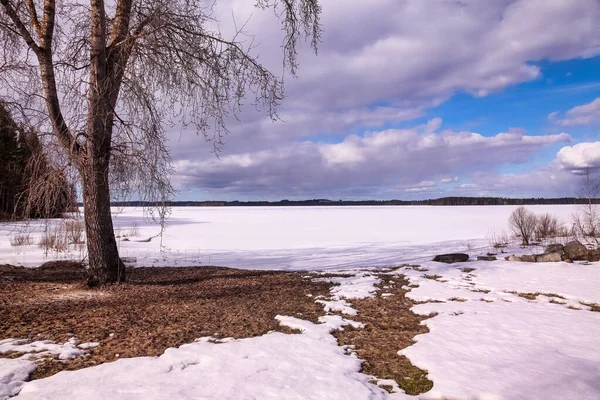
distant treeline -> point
(444, 201)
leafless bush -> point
(74, 231)
(586, 221)
(54, 240)
(547, 227)
(132, 230)
(20, 239)
(498, 240)
(523, 224)
(47, 241)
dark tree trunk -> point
(105, 264)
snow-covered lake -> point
(293, 237)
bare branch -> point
(20, 26)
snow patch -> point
(274, 366)
(42, 348)
(13, 374)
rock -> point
(486, 258)
(568, 260)
(451, 258)
(513, 258)
(528, 258)
(129, 261)
(575, 251)
(554, 248)
(548, 257)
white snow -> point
(43, 348)
(289, 237)
(358, 286)
(275, 366)
(498, 345)
(13, 375)
(14, 372)
(485, 343)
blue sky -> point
(416, 99)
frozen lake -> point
(294, 237)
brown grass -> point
(533, 296)
(157, 308)
(20, 239)
(389, 327)
(593, 306)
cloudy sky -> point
(411, 99)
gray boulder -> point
(554, 248)
(486, 258)
(548, 257)
(451, 258)
(575, 251)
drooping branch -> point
(44, 54)
(20, 26)
(107, 80)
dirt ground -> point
(389, 327)
(157, 308)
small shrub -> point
(20, 239)
(498, 240)
(74, 231)
(47, 241)
(523, 223)
(132, 230)
(55, 240)
(547, 227)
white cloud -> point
(381, 63)
(449, 180)
(586, 114)
(580, 156)
(410, 160)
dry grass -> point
(156, 309)
(74, 231)
(467, 270)
(533, 296)
(20, 239)
(593, 306)
(389, 327)
(55, 240)
(132, 230)
(557, 302)
(330, 275)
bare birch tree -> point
(101, 80)
(586, 221)
(523, 224)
